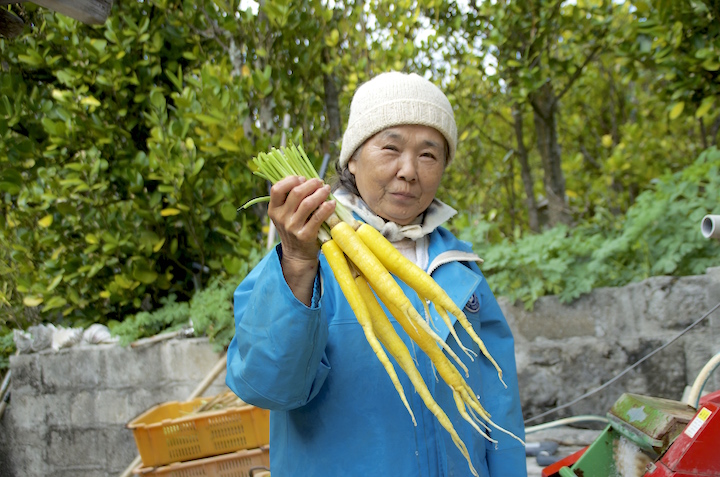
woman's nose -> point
(407, 167)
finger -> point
(307, 195)
(310, 229)
(280, 190)
(311, 202)
(317, 218)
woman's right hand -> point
(298, 207)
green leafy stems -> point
(292, 161)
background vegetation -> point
(587, 157)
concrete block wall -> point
(69, 409)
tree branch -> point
(494, 141)
(577, 74)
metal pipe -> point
(324, 165)
(710, 226)
(5, 384)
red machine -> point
(696, 451)
(666, 438)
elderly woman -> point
(298, 349)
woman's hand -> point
(298, 208)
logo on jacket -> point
(473, 304)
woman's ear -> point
(352, 165)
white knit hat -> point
(395, 99)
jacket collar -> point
(434, 216)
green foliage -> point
(170, 317)
(209, 312)
(124, 147)
(211, 309)
(659, 236)
(121, 166)
(7, 348)
(680, 39)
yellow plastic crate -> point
(245, 463)
(170, 432)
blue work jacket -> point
(335, 411)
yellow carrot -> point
(339, 265)
(447, 371)
(395, 346)
(422, 283)
(462, 392)
(371, 267)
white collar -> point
(435, 215)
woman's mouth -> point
(402, 195)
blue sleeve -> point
(276, 359)
(507, 457)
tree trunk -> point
(10, 24)
(545, 118)
(714, 129)
(91, 12)
(332, 108)
(525, 171)
(266, 109)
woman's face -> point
(398, 171)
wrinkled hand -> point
(298, 208)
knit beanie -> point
(395, 99)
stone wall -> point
(68, 410)
(566, 351)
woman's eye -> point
(390, 147)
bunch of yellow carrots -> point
(362, 260)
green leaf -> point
(228, 211)
(170, 211)
(176, 80)
(53, 303)
(32, 301)
(90, 101)
(11, 181)
(95, 268)
(209, 120)
(32, 58)
(228, 233)
(54, 283)
(228, 145)
(123, 281)
(98, 45)
(46, 221)
(711, 64)
(157, 98)
(158, 245)
(197, 167)
(677, 109)
(333, 38)
(705, 106)
(232, 265)
(145, 276)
